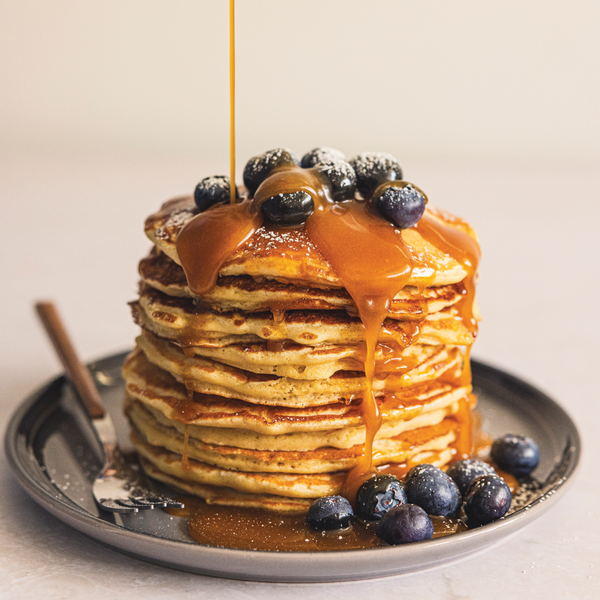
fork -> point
(118, 487)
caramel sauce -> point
(463, 445)
(398, 470)
(407, 331)
(464, 250)
(511, 480)
(278, 313)
(211, 237)
(443, 526)
(482, 441)
(255, 529)
(389, 359)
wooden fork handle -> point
(76, 370)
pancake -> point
(211, 377)
(250, 294)
(181, 320)
(224, 496)
(289, 255)
(159, 431)
(294, 485)
(233, 422)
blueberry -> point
(322, 154)
(288, 209)
(517, 454)
(402, 204)
(463, 472)
(487, 499)
(212, 190)
(432, 490)
(257, 169)
(374, 168)
(405, 524)
(341, 178)
(331, 512)
(377, 496)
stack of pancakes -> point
(251, 395)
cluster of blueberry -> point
(402, 509)
(375, 175)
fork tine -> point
(132, 504)
(158, 500)
(147, 503)
(112, 506)
(170, 503)
(151, 499)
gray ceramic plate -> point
(54, 455)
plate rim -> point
(268, 566)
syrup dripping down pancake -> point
(181, 320)
(289, 255)
(211, 377)
(158, 431)
(250, 294)
(433, 440)
(229, 421)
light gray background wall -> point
(465, 79)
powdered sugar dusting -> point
(337, 169)
(175, 222)
(322, 154)
(257, 164)
(215, 182)
(277, 242)
(373, 162)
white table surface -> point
(72, 231)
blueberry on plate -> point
(212, 190)
(374, 168)
(405, 524)
(402, 203)
(487, 499)
(377, 496)
(257, 169)
(322, 154)
(432, 490)
(331, 512)
(463, 472)
(341, 178)
(516, 454)
(288, 209)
